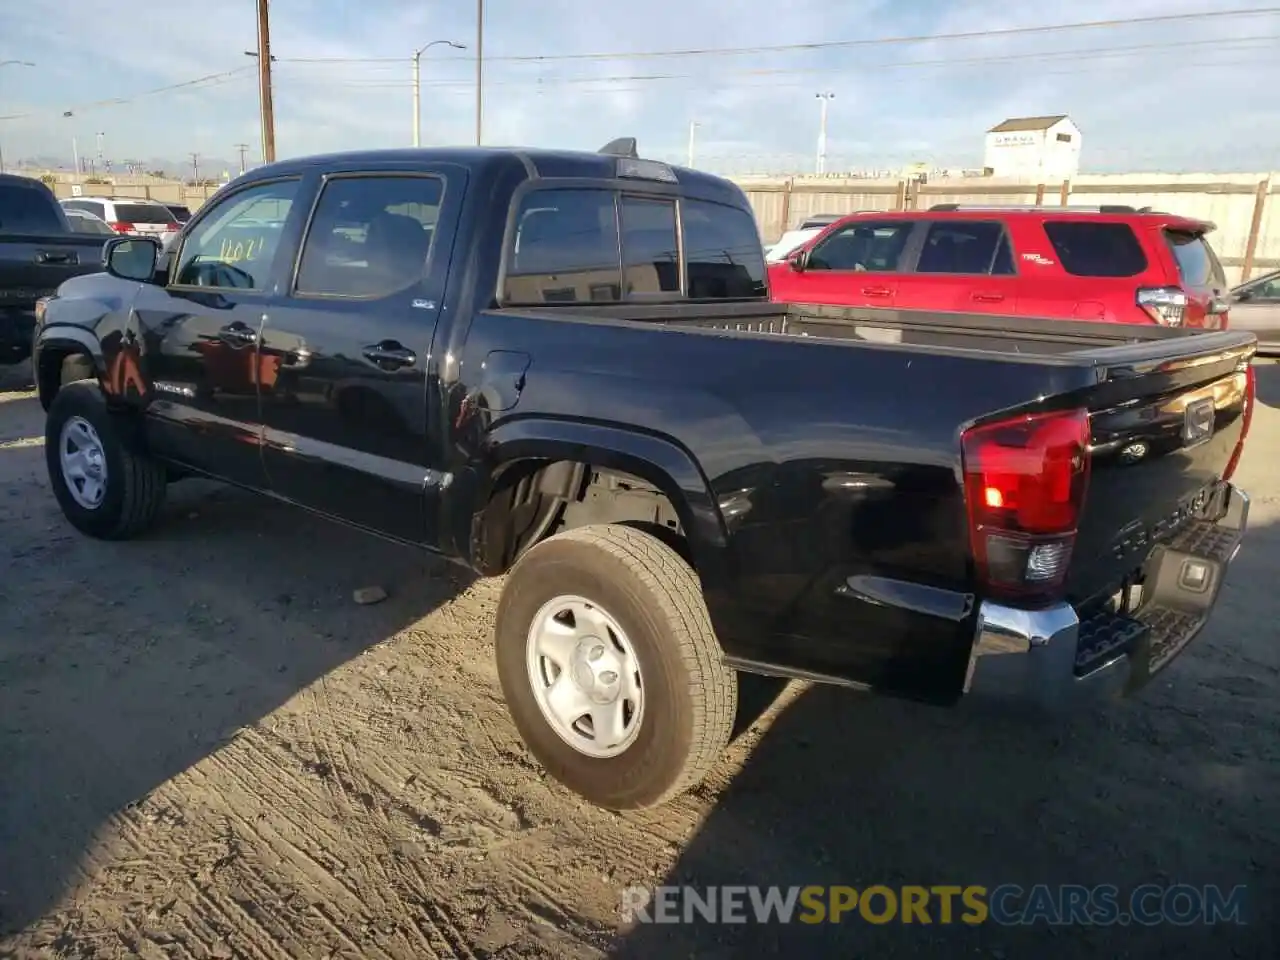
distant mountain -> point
(210, 167)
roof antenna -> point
(622, 147)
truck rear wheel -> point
(610, 667)
(105, 489)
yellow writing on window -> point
(234, 252)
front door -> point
(350, 429)
(854, 265)
(199, 334)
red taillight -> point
(119, 226)
(1164, 305)
(1025, 480)
(1250, 393)
(170, 228)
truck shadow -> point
(1268, 383)
(123, 664)
(1178, 785)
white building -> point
(1033, 149)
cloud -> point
(1169, 96)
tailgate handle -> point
(56, 256)
(988, 297)
(876, 291)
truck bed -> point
(784, 403)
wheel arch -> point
(54, 345)
(518, 449)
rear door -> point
(1201, 275)
(962, 266)
(856, 264)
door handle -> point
(389, 355)
(238, 334)
(988, 297)
(876, 291)
(50, 256)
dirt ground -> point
(207, 749)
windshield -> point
(790, 241)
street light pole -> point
(821, 165)
(417, 85)
(693, 127)
(479, 71)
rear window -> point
(1197, 265)
(1092, 249)
(965, 247)
(27, 210)
(596, 245)
(143, 213)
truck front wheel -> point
(610, 667)
(105, 489)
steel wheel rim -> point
(585, 676)
(84, 462)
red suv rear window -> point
(1196, 262)
(1096, 249)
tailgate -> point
(1165, 433)
(33, 267)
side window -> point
(650, 248)
(1088, 248)
(369, 236)
(565, 248)
(863, 246)
(233, 246)
(962, 247)
(725, 259)
(1267, 291)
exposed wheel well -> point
(534, 499)
(59, 367)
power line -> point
(837, 44)
(1242, 45)
(212, 79)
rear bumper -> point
(1051, 658)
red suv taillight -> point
(1164, 305)
(1025, 480)
(1250, 393)
(120, 226)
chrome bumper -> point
(1050, 658)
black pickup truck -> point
(38, 250)
(564, 367)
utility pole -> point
(264, 84)
(821, 166)
(479, 71)
(195, 168)
(693, 128)
(417, 84)
(242, 147)
(99, 135)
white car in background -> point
(795, 239)
(128, 215)
(82, 221)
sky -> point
(1189, 96)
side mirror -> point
(131, 258)
(1218, 306)
(799, 261)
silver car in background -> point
(1255, 306)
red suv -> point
(1111, 263)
